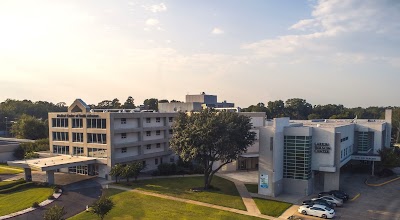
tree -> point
(163, 101)
(55, 213)
(115, 103)
(29, 127)
(117, 171)
(276, 108)
(208, 137)
(102, 206)
(129, 103)
(151, 103)
(132, 170)
(298, 109)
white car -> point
(332, 199)
(317, 210)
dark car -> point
(319, 202)
(336, 193)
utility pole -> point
(6, 127)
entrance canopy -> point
(53, 163)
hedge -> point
(11, 184)
(17, 187)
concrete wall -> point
(179, 106)
(323, 161)
(202, 98)
(295, 186)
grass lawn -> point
(253, 188)
(19, 200)
(131, 205)
(271, 207)
(5, 169)
(227, 196)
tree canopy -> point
(28, 127)
(102, 206)
(208, 137)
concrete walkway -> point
(194, 202)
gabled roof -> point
(79, 106)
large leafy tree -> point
(151, 103)
(116, 171)
(209, 137)
(102, 206)
(298, 109)
(129, 103)
(29, 127)
(132, 170)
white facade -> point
(296, 155)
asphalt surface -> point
(76, 196)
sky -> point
(325, 51)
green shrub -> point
(35, 205)
(11, 184)
(51, 197)
(17, 187)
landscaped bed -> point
(224, 194)
(22, 197)
(271, 207)
(253, 188)
(131, 205)
(5, 169)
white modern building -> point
(295, 155)
(91, 141)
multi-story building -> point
(90, 141)
(299, 156)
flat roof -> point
(53, 163)
(336, 122)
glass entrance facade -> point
(297, 157)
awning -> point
(53, 163)
(249, 155)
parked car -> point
(317, 210)
(319, 202)
(332, 199)
(337, 193)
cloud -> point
(217, 31)
(156, 8)
(152, 22)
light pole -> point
(6, 127)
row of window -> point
(78, 137)
(79, 151)
(344, 153)
(148, 120)
(78, 123)
(148, 147)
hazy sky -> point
(328, 51)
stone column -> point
(50, 177)
(28, 174)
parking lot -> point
(373, 203)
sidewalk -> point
(194, 202)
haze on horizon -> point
(327, 52)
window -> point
(297, 157)
(77, 123)
(123, 135)
(171, 159)
(124, 150)
(60, 136)
(144, 163)
(170, 131)
(123, 120)
(59, 122)
(77, 137)
(170, 119)
(148, 120)
(148, 133)
(57, 149)
(78, 151)
(158, 120)
(96, 138)
(158, 132)
(97, 152)
(158, 145)
(96, 123)
(156, 161)
(148, 147)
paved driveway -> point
(74, 199)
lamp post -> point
(6, 127)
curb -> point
(42, 204)
(381, 184)
(355, 197)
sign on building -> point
(264, 181)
